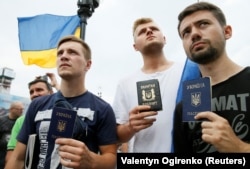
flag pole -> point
(86, 8)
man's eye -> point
(59, 53)
(185, 33)
(141, 32)
(72, 52)
(154, 29)
(203, 24)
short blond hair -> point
(141, 21)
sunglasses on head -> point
(45, 78)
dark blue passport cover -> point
(62, 123)
(196, 97)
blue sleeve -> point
(107, 127)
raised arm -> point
(53, 80)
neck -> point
(154, 64)
(221, 70)
(12, 117)
(72, 89)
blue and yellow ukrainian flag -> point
(190, 71)
(39, 35)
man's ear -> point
(135, 47)
(227, 32)
(165, 39)
(89, 63)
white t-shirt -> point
(158, 137)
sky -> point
(109, 34)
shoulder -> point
(245, 72)
(4, 118)
(96, 99)
(97, 103)
(247, 69)
(42, 103)
(178, 65)
(42, 99)
(130, 78)
(20, 119)
(176, 69)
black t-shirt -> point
(231, 100)
(6, 125)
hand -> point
(218, 132)
(139, 120)
(53, 80)
(73, 153)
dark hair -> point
(86, 48)
(199, 6)
(43, 79)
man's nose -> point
(64, 56)
(195, 34)
(149, 31)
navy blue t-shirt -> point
(96, 115)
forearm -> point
(125, 132)
(104, 161)
(244, 148)
(8, 155)
(16, 164)
(16, 160)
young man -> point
(204, 31)
(6, 124)
(143, 129)
(96, 146)
(38, 87)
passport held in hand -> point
(149, 94)
(62, 124)
(196, 98)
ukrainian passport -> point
(196, 97)
(149, 94)
(62, 124)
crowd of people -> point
(101, 130)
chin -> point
(64, 73)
